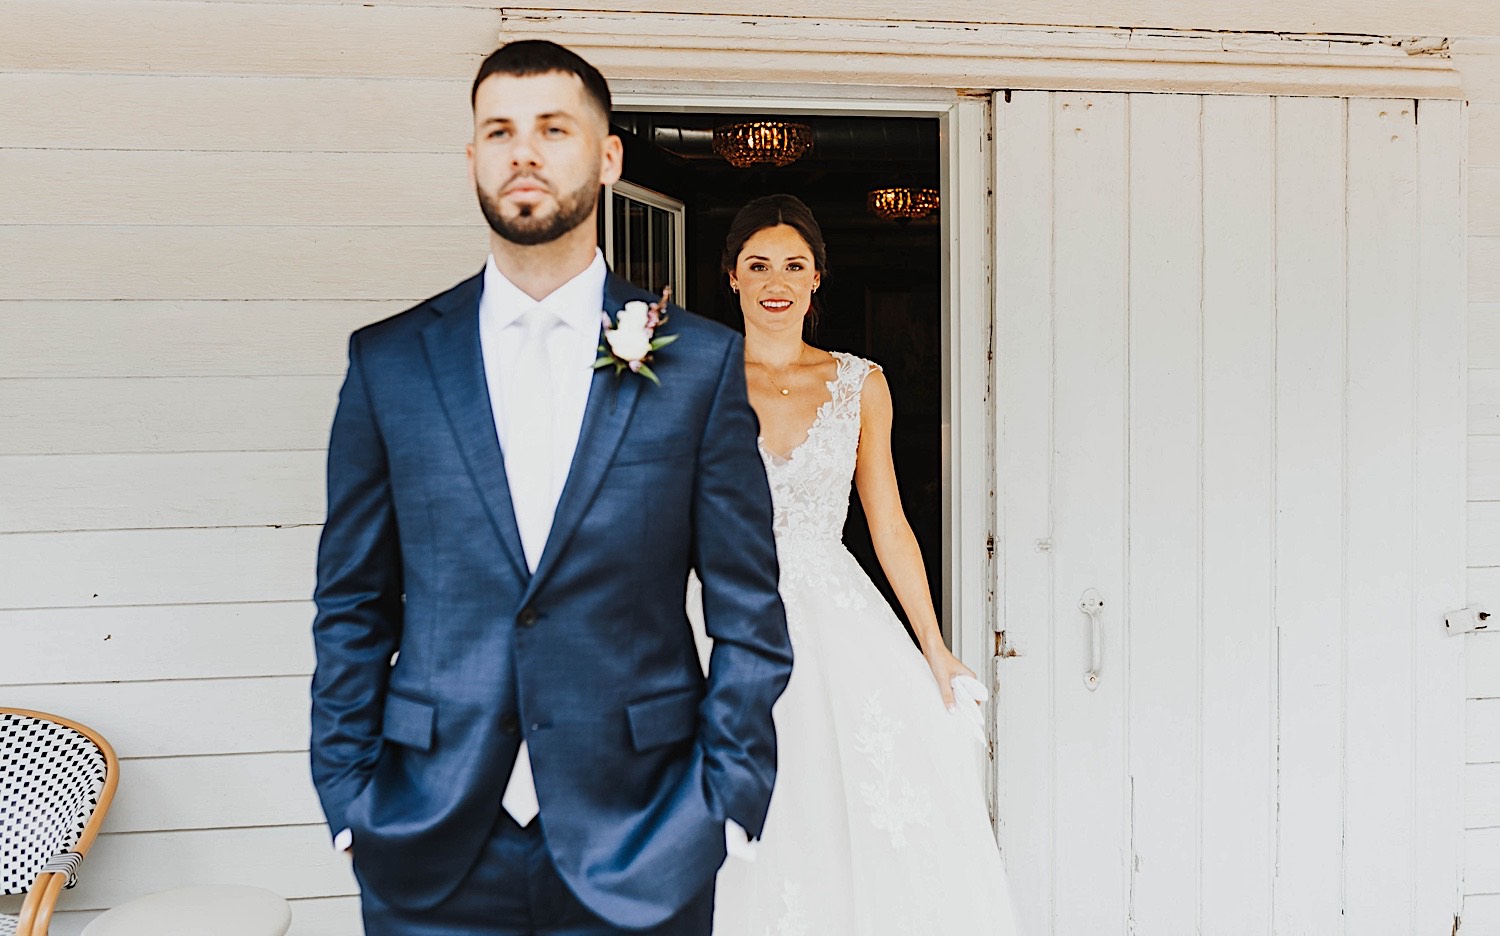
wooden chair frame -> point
(36, 911)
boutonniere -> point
(629, 340)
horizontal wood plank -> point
(1440, 17)
(293, 861)
(1484, 589)
(224, 792)
(169, 112)
(1484, 269)
(1482, 861)
(1481, 916)
(1478, 61)
(1482, 796)
(1482, 661)
(1483, 716)
(128, 187)
(188, 339)
(135, 36)
(144, 567)
(1484, 334)
(1484, 402)
(108, 415)
(1484, 533)
(181, 718)
(212, 641)
(195, 489)
(1484, 201)
(1484, 468)
(1484, 134)
(252, 262)
(326, 916)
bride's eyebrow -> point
(768, 259)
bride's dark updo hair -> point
(770, 211)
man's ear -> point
(611, 160)
(469, 158)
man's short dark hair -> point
(540, 57)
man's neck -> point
(539, 270)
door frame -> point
(968, 401)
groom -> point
(510, 727)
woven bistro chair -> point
(57, 778)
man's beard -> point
(527, 229)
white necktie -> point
(529, 435)
(528, 465)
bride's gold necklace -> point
(765, 368)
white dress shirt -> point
(572, 350)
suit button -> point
(527, 617)
(509, 723)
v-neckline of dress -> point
(819, 417)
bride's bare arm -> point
(895, 545)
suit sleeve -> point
(735, 555)
(358, 596)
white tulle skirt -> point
(878, 824)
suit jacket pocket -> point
(664, 719)
(408, 722)
(636, 453)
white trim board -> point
(713, 47)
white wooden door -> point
(1230, 356)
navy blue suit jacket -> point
(638, 758)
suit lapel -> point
(611, 401)
(457, 362)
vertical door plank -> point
(1165, 381)
(1310, 304)
(1439, 548)
(1239, 666)
(1380, 589)
(1023, 310)
(1089, 275)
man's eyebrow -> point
(550, 115)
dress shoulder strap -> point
(853, 370)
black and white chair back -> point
(56, 781)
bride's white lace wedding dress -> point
(878, 824)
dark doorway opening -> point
(881, 298)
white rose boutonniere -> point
(629, 338)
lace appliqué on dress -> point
(894, 801)
(810, 484)
(793, 920)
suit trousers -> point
(514, 890)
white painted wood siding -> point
(1479, 62)
(201, 201)
(1236, 327)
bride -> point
(878, 822)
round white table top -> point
(216, 909)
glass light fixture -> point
(902, 204)
(776, 142)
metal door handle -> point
(1093, 606)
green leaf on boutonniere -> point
(646, 373)
(658, 343)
